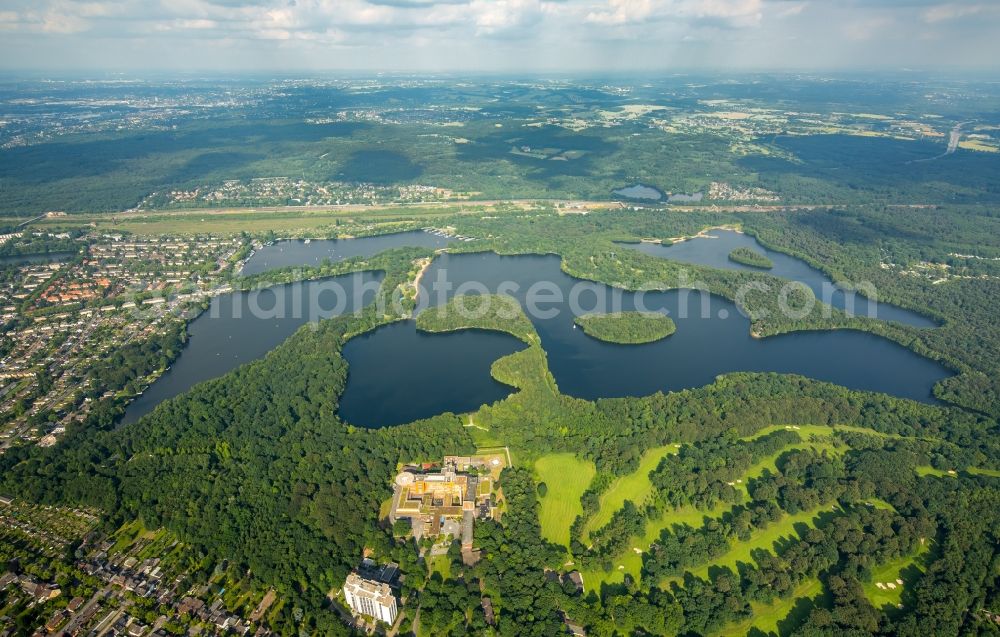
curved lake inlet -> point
(243, 326)
(300, 253)
(399, 374)
(713, 251)
(704, 345)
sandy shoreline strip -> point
(703, 234)
(425, 264)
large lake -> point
(639, 191)
(703, 347)
(244, 326)
(398, 374)
(713, 251)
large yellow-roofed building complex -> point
(446, 499)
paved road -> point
(954, 137)
(73, 624)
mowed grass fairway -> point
(566, 477)
(631, 560)
(635, 487)
(766, 617)
(742, 552)
(908, 568)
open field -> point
(323, 221)
(907, 568)
(439, 564)
(288, 220)
(281, 221)
(635, 487)
(637, 484)
(928, 470)
(992, 473)
(766, 617)
(931, 471)
(566, 477)
(630, 561)
(742, 552)
(768, 463)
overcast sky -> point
(497, 35)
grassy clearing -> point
(635, 487)
(766, 617)
(439, 564)
(764, 539)
(880, 504)
(566, 478)
(631, 561)
(816, 437)
(907, 569)
(482, 437)
(931, 471)
(385, 508)
(281, 220)
(992, 473)
(928, 470)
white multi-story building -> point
(366, 597)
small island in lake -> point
(749, 256)
(627, 328)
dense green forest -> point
(289, 478)
(757, 504)
(257, 465)
(749, 256)
(479, 311)
(627, 328)
(543, 147)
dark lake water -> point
(713, 251)
(398, 374)
(702, 347)
(244, 326)
(638, 191)
(299, 253)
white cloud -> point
(866, 29)
(466, 33)
(951, 11)
(628, 12)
